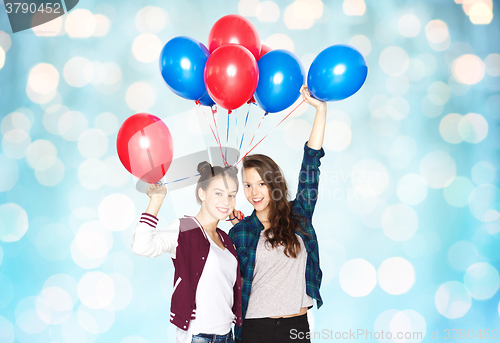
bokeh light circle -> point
(438, 169)
(15, 144)
(80, 23)
(13, 222)
(337, 135)
(42, 154)
(369, 178)
(140, 96)
(147, 47)
(357, 277)
(411, 189)
(151, 19)
(96, 290)
(394, 60)
(492, 64)
(116, 212)
(78, 71)
(71, 125)
(107, 122)
(483, 202)
(96, 321)
(92, 173)
(396, 275)
(9, 173)
(91, 245)
(399, 222)
(409, 25)
(462, 254)
(473, 128)
(362, 44)
(458, 191)
(53, 175)
(448, 128)
(43, 78)
(452, 299)
(468, 69)
(92, 143)
(482, 280)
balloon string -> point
(208, 123)
(213, 133)
(249, 145)
(227, 133)
(214, 110)
(236, 125)
(268, 133)
(159, 183)
(244, 128)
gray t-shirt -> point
(279, 282)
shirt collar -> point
(256, 224)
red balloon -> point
(234, 29)
(145, 147)
(231, 76)
(264, 49)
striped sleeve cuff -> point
(149, 219)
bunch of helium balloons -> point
(235, 69)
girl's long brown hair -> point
(283, 220)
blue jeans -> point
(211, 338)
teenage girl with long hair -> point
(277, 245)
(206, 297)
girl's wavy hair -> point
(209, 173)
(284, 221)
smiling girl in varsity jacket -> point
(277, 245)
(206, 296)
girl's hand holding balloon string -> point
(318, 130)
(157, 193)
(236, 217)
(306, 95)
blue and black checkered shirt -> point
(245, 235)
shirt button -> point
(193, 289)
(184, 326)
(197, 274)
(203, 258)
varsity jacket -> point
(191, 251)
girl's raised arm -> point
(318, 130)
(147, 240)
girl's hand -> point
(156, 191)
(236, 217)
(306, 95)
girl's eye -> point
(218, 193)
(246, 186)
(232, 196)
(261, 184)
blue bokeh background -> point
(408, 218)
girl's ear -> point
(201, 194)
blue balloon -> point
(280, 77)
(336, 73)
(182, 65)
(206, 100)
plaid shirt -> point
(245, 235)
